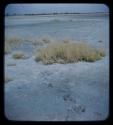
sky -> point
(50, 8)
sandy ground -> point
(57, 92)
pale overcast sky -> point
(50, 8)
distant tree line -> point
(54, 13)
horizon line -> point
(52, 13)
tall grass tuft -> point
(67, 52)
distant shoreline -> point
(104, 13)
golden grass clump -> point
(19, 55)
(68, 53)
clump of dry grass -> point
(19, 55)
(68, 52)
(10, 43)
(8, 79)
